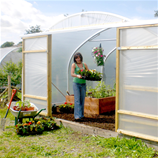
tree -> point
(7, 44)
(33, 29)
(156, 13)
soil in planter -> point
(104, 121)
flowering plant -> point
(92, 75)
(66, 107)
(97, 53)
(47, 123)
(30, 127)
(37, 126)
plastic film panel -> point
(139, 125)
(139, 68)
(85, 19)
(139, 101)
(5, 51)
(36, 74)
(36, 44)
(146, 36)
(63, 54)
(41, 104)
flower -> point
(38, 122)
(66, 108)
(91, 75)
(35, 127)
(97, 53)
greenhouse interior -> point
(131, 62)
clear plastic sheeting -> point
(139, 68)
(63, 45)
(61, 58)
(138, 81)
(36, 44)
(139, 101)
(139, 125)
(146, 36)
(9, 53)
(87, 19)
(36, 74)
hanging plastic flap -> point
(39, 43)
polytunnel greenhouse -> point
(8, 54)
(131, 61)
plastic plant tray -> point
(23, 113)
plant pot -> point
(30, 108)
(96, 105)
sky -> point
(18, 15)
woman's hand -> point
(79, 76)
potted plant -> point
(97, 53)
(91, 75)
(30, 127)
(98, 100)
(37, 126)
(66, 108)
(23, 105)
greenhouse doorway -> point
(36, 78)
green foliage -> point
(23, 103)
(123, 147)
(90, 74)
(66, 143)
(19, 95)
(37, 126)
(98, 56)
(20, 50)
(7, 44)
(101, 91)
(11, 68)
(66, 108)
(3, 78)
(33, 29)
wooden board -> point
(95, 105)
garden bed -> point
(103, 121)
(95, 106)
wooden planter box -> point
(95, 105)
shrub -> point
(11, 68)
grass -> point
(66, 143)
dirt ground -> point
(104, 121)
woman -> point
(79, 86)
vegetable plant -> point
(101, 91)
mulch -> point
(103, 121)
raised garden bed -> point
(95, 105)
(103, 121)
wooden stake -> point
(9, 87)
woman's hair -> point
(78, 54)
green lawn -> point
(66, 143)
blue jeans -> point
(79, 97)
